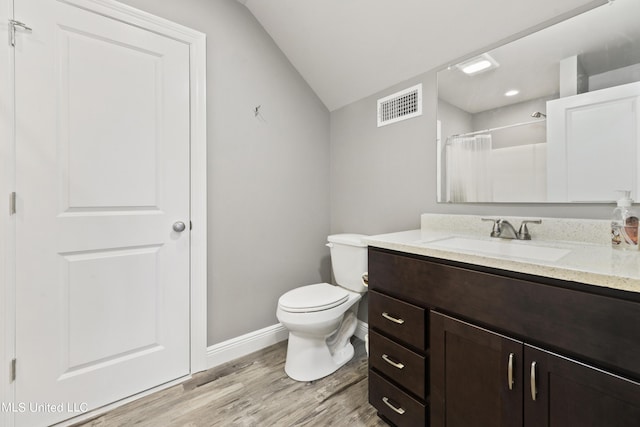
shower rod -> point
(498, 128)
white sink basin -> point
(500, 247)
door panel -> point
(97, 142)
(99, 279)
(102, 173)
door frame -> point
(198, 182)
(7, 225)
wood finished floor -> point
(255, 391)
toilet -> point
(321, 318)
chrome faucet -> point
(504, 230)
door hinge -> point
(12, 203)
(12, 371)
(12, 30)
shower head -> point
(538, 114)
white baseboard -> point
(234, 348)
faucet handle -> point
(523, 232)
(496, 230)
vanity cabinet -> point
(487, 379)
(481, 331)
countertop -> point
(586, 262)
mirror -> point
(550, 117)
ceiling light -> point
(476, 67)
(512, 92)
(478, 64)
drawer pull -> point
(534, 390)
(393, 319)
(397, 410)
(510, 372)
(391, 362)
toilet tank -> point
(348, 260)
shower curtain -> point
(468, 169)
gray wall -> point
(382, 179)
(268, 183)
(279, 183)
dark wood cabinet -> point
(398, 362)
(482, 378)
(394, 404)
(573, 394)
(492, 340)
(476, 377)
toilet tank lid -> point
(348, 239)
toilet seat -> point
(311, 298)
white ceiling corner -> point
(347, 50)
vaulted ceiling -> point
(349, 49)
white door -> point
(102, 176)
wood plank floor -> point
(255, 391)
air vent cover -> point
(400, 106)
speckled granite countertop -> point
(585, 253)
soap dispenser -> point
(624, 224)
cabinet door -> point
(476, 375)
(571, 394)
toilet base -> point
(309, 358)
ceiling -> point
(603, 39)
(349, 49)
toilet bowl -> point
(321, 318)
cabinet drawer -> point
(398, 319)
(394, 404)
(403, 366)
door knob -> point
(179, 226)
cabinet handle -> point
(391, 362)
(534, 390)
(393, 319)
(397, 410)
(510, 372)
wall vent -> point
(400, 106)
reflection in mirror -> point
(551, 117)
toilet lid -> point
(318, 297)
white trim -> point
(234, 348)
(7, 224)
(138, 18)
(198, 67)
(243, 345)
